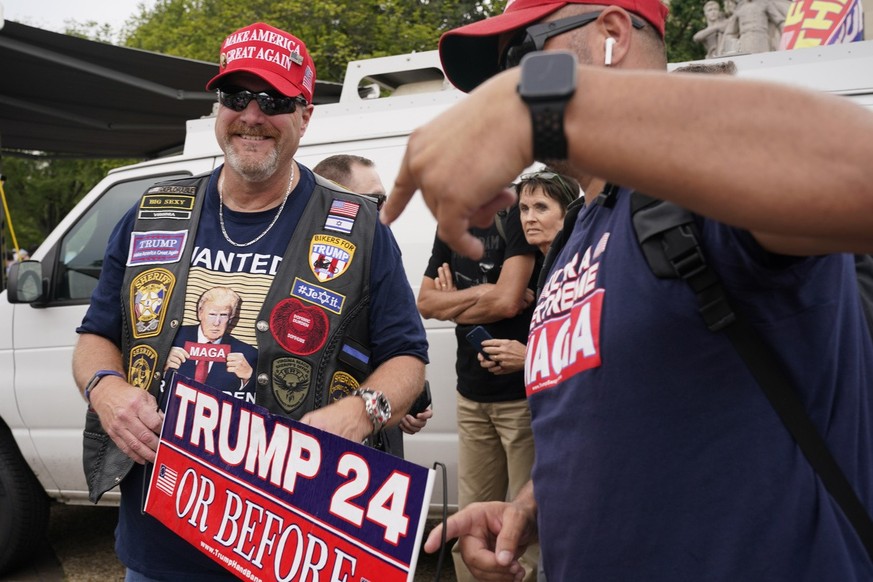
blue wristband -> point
(98, 375)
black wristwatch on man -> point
(548, 82)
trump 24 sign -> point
(269, 498)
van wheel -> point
(24, 507)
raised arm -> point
(789, 165)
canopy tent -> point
(67, 96)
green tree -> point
(338, 31)
(686, 18)
(335, 31)
(40, 192)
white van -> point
(41, 411)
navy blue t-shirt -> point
(658, 456)
(142, 543)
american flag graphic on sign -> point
(167, 480)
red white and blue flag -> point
(341, 217)
(166, 480)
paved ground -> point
(80, 549)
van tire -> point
(24, 508)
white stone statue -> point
(710, 37)
(754, 23)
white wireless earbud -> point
(607, 59)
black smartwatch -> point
(548, 81)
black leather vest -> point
(313, 328)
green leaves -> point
(40, 192)
(335, 31)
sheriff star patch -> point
(149, 292)
(141, 368)
(330, 256)
(341, 385)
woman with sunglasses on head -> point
(543, 198)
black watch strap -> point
(546, 84)
(547, 123)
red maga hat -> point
(277, 57)
(469, 53)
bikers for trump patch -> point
(341, 217)
(330, 256)
(149, 292)
(292, 378)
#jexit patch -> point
(312, 293)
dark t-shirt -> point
(658, 457)
(474, 381)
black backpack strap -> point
(669, 240)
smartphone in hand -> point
(422, 402)
(476, 336)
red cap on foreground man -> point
(469, 54)
(279, 58)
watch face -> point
(547, 75)
(383, 406)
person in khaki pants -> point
(495, 442)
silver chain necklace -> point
(272, 223)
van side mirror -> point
(25, 284)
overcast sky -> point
(51, 14)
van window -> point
(81, 250)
